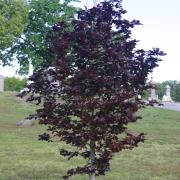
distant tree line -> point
(14, 84)
(175, 89)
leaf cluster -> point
(31, 45)
(14, 84)
(13, 17)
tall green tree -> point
(31, 46)
(175, 89)
(14, 84)
(177, 92)
(160, 90)
(13, 17)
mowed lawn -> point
(23, 157)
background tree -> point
(160, 90)
(14, 84)
(89, 93)
(175, 89)
(30, 47)
(177, 92)
(13, 17)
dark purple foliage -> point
(90, 91)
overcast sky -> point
(161, 28)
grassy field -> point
(23, 157)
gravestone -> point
(153, 95)
(167, 95)
(1, 83)
(26, 123)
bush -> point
(14, 84)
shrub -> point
(14, 84)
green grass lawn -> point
(23, 157)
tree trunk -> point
(92, 177)
(92, 159)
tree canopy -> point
(31, 47)
(13, 18)
(175, 89)
(90, 92)
(14, 84)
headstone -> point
(167, 95)
(153, 95)
(1, 83)
(26, 122)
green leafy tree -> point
(14, 84)
(175, 89)
(160, 89)
(177, 92)
(13, 17)
(31, 46)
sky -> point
(161, 28)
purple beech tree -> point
(89, 93)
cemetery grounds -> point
(23, 157)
